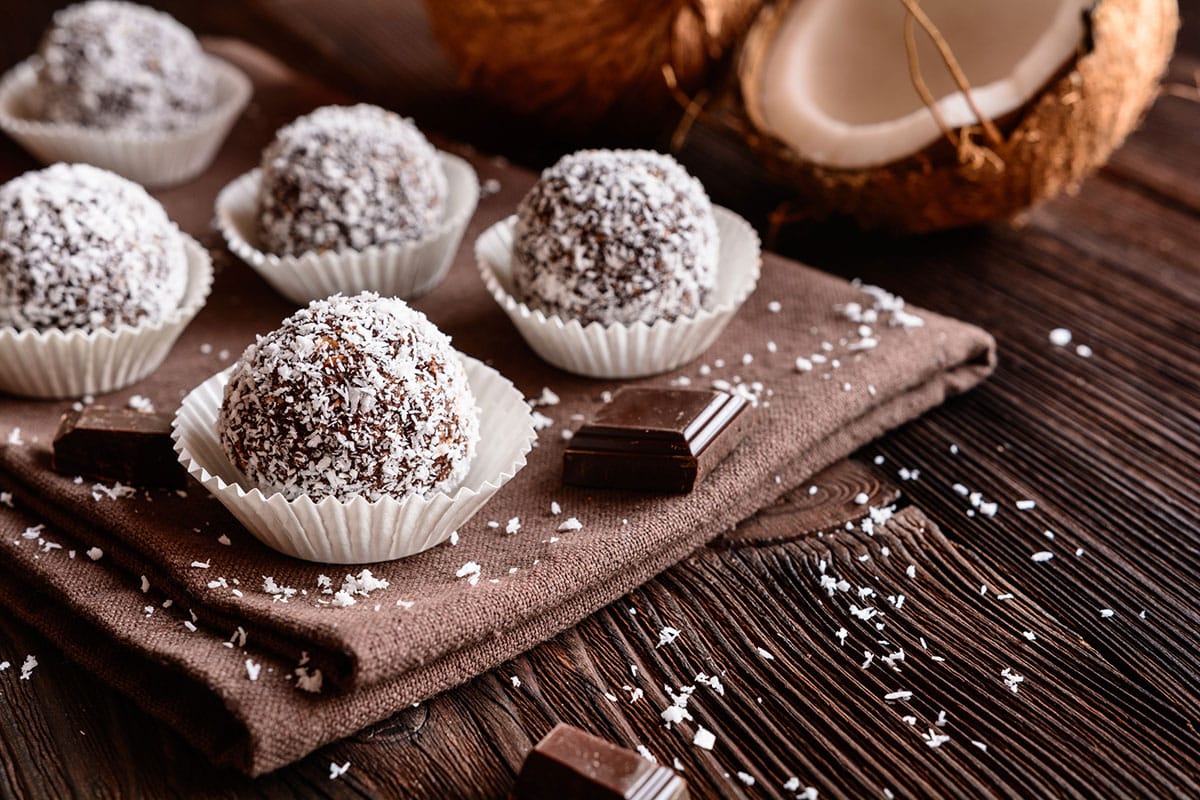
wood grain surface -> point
(1107, 447)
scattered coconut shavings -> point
(935, 739)
(667, 635)
(223, 539)
(570, 524)
(279, 594)
(141, 403)
(115, 492)
(673, 715)
(555, 508)
(1083, 351)
(1026, 505)
(981, 745)
(95, 553)
(471, 571)
(27, 668)
(202, 564)
(336, 771)
(513, 525)
(774, 306)
(516, 682)
(309, 680)
(1030, 635)
(704, 738)
(1060, 337)
(14, 437)
(541, 421)
(901, 694)
(765, 654)
(862, 498)
(746, 778)
(645, 753)
(6, 499)
(1011, 679)
(546, 398)
(1042, 555)
(1105, 613)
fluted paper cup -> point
(404, 270)
(359, 531)
(74, 363)
(155, 160)
(621, 350)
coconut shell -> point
(1049, 146)
(576, 62)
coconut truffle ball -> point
(83, 248)
(615, 236)
(351, 395)
(347, 178)
(120, 66)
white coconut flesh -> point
(836, 88)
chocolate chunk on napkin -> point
(252, 661)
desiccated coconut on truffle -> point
(348, 178)
(116, 65)
(350, 396)
(615, 236)
(82, 248)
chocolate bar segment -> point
(133, 447)
(656, 440)
(570, 763)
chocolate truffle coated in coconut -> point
(350, 396)
(121, 66)
(348, 178)
(615, 236)
(82, 248)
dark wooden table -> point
(1105, 636)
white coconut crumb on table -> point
(645, 753)
(513, 525)
(1060, 337)
(1030, 635)
(27, 667)
(762, 651)
(1083, 351)
(279, 594)
(224, 540)
(803, 364)
(935, 739)
(570, 524)
(546, 398)
(901, 694)
(1026, 505)
(1042, 555)
(774, 306)
(95, 553)
(308, 680)
(338, 770)
(14, 437)
(746, 778)
(704, 738)
(6, 499)
(667, 636)
(202, 564)
(1105, 613)
(1011, 679)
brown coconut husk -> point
(572, 63)
(1049, 146)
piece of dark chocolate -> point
(133, 447)
(656, 440)
(570, 763)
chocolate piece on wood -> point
(572, 763)
(133, 447)
(656, 440)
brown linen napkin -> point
(431, 628)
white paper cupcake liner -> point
(405, 270)
(621, 350)
(359, 531)
(155, 160)
(74, 363)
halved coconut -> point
(868, 118)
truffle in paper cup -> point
(405, 270)
(156, 159)
(73, 363)
(359, 531)
(621, 350)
